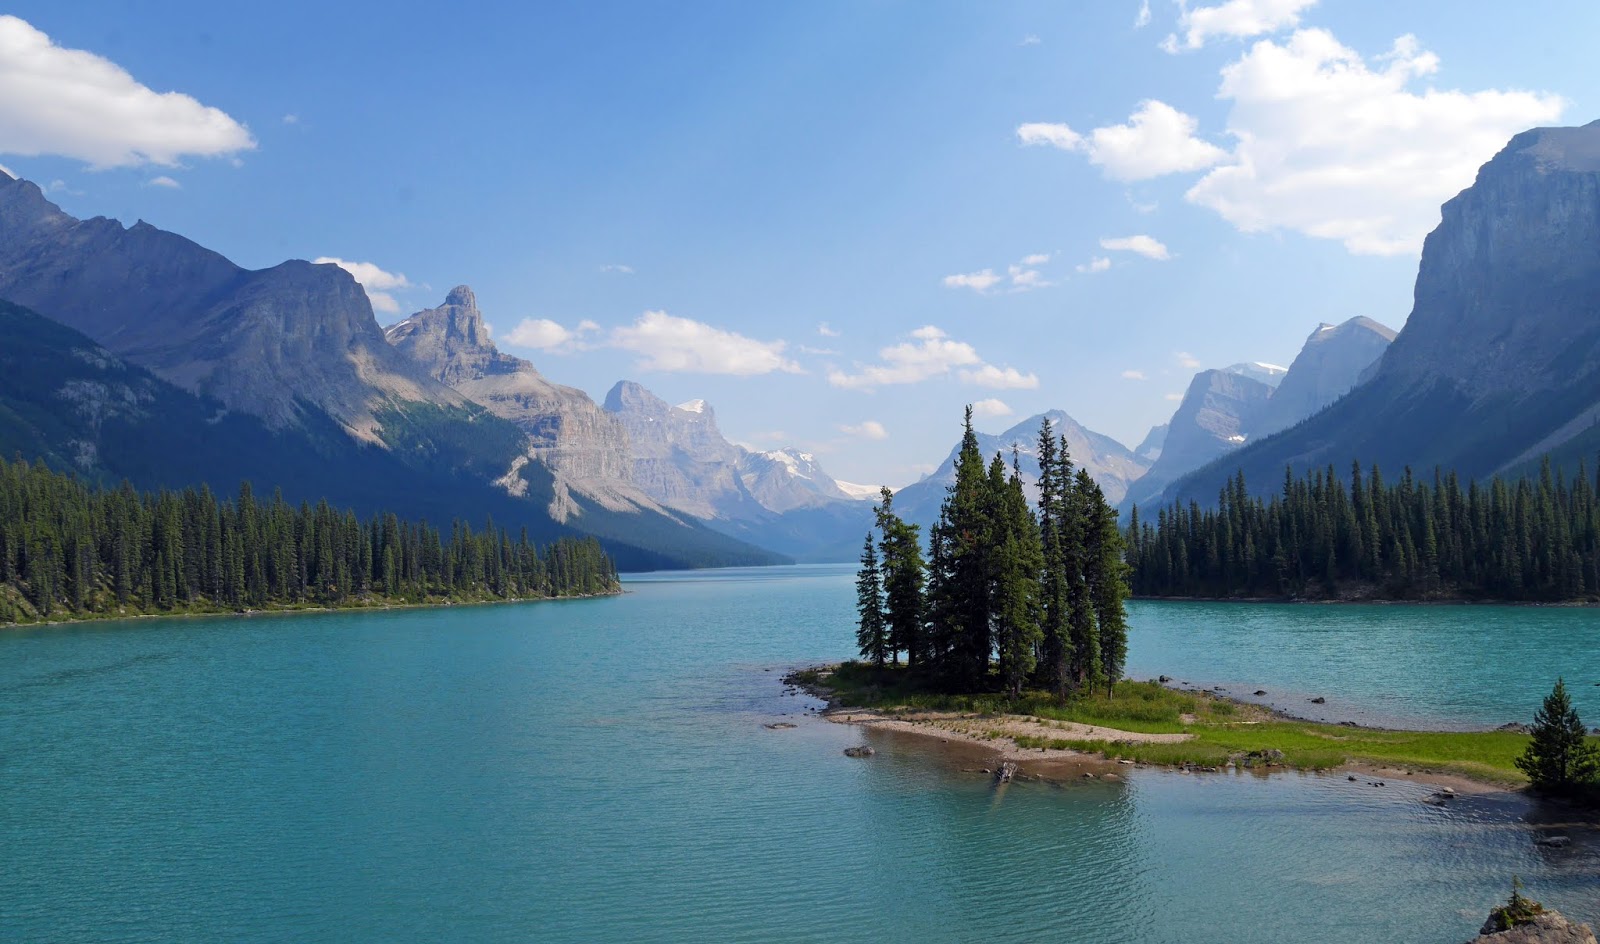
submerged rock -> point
(862, 751)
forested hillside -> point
(1530, 539)
(71, 551)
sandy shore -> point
(991, 740)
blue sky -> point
(837, 221)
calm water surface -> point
(598, 771)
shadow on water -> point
(61, 677)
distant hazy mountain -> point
(1270, 374)
(1214, 418)
(1108, 462)
(1327, 367)
(1499, 361)
(1149, 448)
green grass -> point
(1221, 729)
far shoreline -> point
(95, 619)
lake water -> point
(598, 771)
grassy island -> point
(1148, 723)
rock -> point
(862, 751)
(1319, 700)
(1514, 726)
(1258, 692)
(1005, 772)
(778, 726)
(1267, 758)
(1348, 724)
(1553, 842)
(1167, 678)
(1088, 776)
(1550, 927)
(1351, 778)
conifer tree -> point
(1560, 756)
(871, 631)
(901, 567)
(1019, 561)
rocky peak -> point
(1334, 359)
(24, 208)
(630, 397)
(451, 341)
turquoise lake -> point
(597, 770)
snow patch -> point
(859, 492)
(693, 406)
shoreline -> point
(1373, 601)
(997, 736)
(293, 611)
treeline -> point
(1007, 596)
(67, 550)
(1528, 540)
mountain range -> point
(134, 353)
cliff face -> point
(267, 342)
(1329, 365)
(1499, 361)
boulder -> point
(861, 751)
(1551, 927)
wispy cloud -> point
(991, 407)
(1095, 265)
(617, 268)
(1133, 375)
(1147, 246)
(1186, 360)
(827, 330)
(866, 429)
(164, 182)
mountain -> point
(1108, 462)
(77, 407)
(1214, 419)
(1149, 448)
(586, 450)
(1329, 365)
(782, 499)
(1499, 360)
(296, 348)
(1270, 374)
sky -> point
(836, 221)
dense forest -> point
(68, 550)
(1007, 597)
(1529, 540)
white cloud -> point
(291, 119)
(827, 330)
(818, 351)
(1023, 279)
(1147, 246)
(377, 282)
(991, 407)
(541, 334)
(1235, 19)
(977, 281)
(1094, 266)
(1157, 139)
(1030, 40)
(586, 325)
(1172, 397)
(164, 181)
(1142, 20)
(76, 104)
(1000, 378)
(867, 429)
(1332, 148)
(1187, 360)
(669, 343)
(617, 268)
(930, 355)
(1133, 375)
(1022, 276)
(1039, 133)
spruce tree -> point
(901, 568)
(871, 631)
(1560, 756)
(1019, 561)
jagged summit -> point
(461, 297)
(451, 341)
